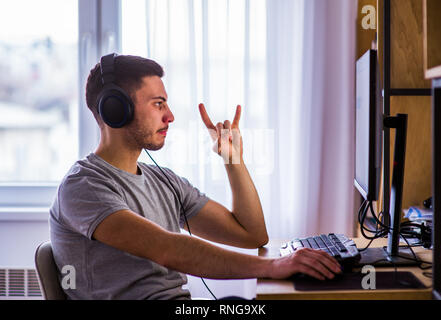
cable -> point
(416, 259)
(365, 248)
(382, 230)
(183, 211)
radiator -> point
(19, 284)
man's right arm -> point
(127, 231)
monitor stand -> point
(393, 255)
(379, 257)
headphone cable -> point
(183, 211)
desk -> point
(268, 289)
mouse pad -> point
(353, 281)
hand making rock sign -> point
(226, 136)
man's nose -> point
(168, 117)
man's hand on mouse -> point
(226, 136)
(315, 263)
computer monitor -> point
(370, 123)
(369, 127)
(436, 187)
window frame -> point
(99, 33)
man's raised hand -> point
(226, 136)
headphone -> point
(115, 106)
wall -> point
(20, 234)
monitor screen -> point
(368, 126)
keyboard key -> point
(353, 250)
(340, 246)
(320, 242)
(326, 240)
(312, 243)
(287, 251)
(334, 252)
(297, 244)
(345, 255)
(305, 243)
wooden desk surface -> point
(268, 289)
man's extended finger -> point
(205, 117)
(236, 117)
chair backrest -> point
(48, 272)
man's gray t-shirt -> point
(92, 190)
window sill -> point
(9, 214)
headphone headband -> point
(107, 66)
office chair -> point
(48, 273)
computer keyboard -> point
(342, 248)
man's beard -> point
(142, 137)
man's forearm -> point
(246, 203)
(199, 258)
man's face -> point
(151, 117)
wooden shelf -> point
(406, 42)
(406, 90)
(432, 38)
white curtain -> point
(311, 75)
(290, 64)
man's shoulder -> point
(86, 181)
(85, 171)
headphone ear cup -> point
(115, 107)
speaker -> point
(115, 106)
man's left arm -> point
(244, 226)
(247, 208)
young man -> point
(117, 221)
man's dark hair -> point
(129, 71)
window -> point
(47, 49)
(38, 89)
